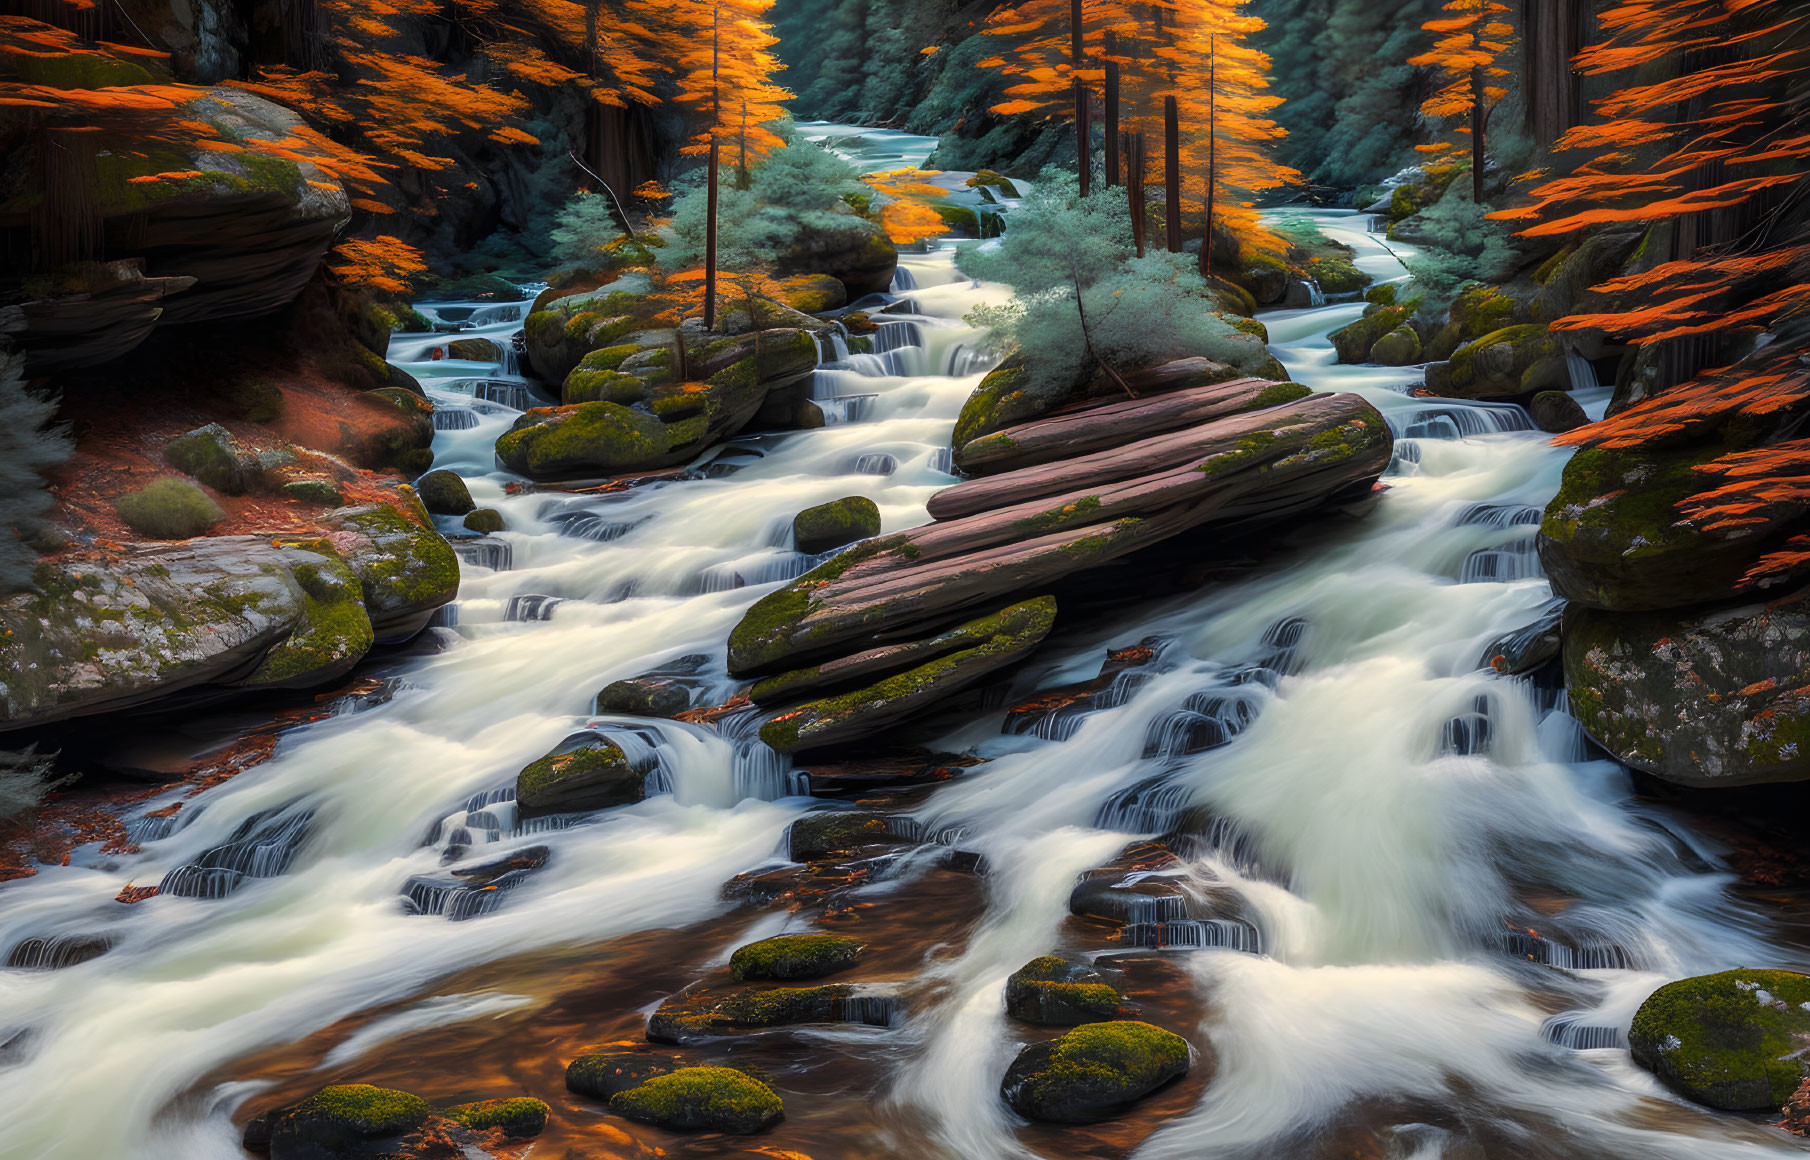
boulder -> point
(710, 1099)
(1054, 991)
(831, 525)
(648, 696)
(1615, 538)
(1017, 532)
(856, 253)
(1733, 1040)
(1515, 360)
(210, 455)
(483, 521)
(1337, 275)
(1064, 436)
(1354, 340)
(826, 833)
(703, 1013)
(444, 493)
(88, 315)
(991, 642)
(1706, 697)
(520, 1117)
(601, 1075)
(1266, 278)
(354, 1119)
(590, 774)
(811, 293)
(1557, 412)
(594, 439)
(332, 634)
(1399, 348)
(1094, 1072)
(405, 567)
(789, 957)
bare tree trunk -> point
(710, 241)
(1112, 122)
(1477, 117)
(1553, 31)
(1172, 175)
(1134, 188)
(1206, 239)
(1084, 159)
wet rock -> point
(593, 438)
(1094, 1072)
(1556, 411)
(712, 1099)
(474, 350)
(826, 833)
(1064, 436)
(1059, 992)
(1732, 1040)
(1009, 396)
(347, 1120)
(210, 455)
(56, 952)
(648, 696)
(833, 524)
(590, 775)
(1399, 348)
(862, 773)
(444, 493)
(1796, 1111)
(1711, 697)
(405, 567)
(794, 956)
(1018, 532)
(1515, 360)
(857, 254)
(704, 1013)
(520, 1117)
(601, 1075)
(987, 644)
(332, 634)
(484, 521)
(1354, 340)
(1615, 538)
(1526, 649)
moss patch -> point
(1094, 1071)
(795, 956)
(717, 1099)
(833, 524)
(1733, 1040)
(520, 1117)
(168, 509)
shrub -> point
(169, 509)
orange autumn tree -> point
(1706, 144)
(725, 82)
(906, 204)
(1473, 42)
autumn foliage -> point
(1468, 59)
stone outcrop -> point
(863, 642)
(1732, 1040)
(245, 612)
(1094, 1072)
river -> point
(1404, 816)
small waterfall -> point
(485, 552)
(1315, 295)
(1492, 514)
(454, 418)
(1580, 370)
(592, 526)
(1194, 935)
(1458, 421)
(875, 463)
(903, 281)
(531, 606)
(1570, 1030)
(1517, 561)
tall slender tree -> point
(1469, 54)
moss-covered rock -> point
(700, 1014)
(826, 833)
(1055, 991)
(444, 493)
(1515, 360)
(1265, 277)
(856, 253)
(1094, 1072)
(988, 179)
(711, 1099)
(1733, 1040)
(405, 567)
(1399, 348)
(1354, 340)
(592, 776)
(1706, 697)
(346, 1120)
(210, 455)
(833, 524)
(313, 490)
(484, 521)
(588, 438)
(334, 631)
(1337, 275)
(603, 1074)
(653, 695)
(520, 1117)
(607, 386)
(811, 293)
(1000, 639)
(168, 509)
(794, 956)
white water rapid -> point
(1403, 816)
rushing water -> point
(1404, 816)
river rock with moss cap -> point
(833, 524)
(826, 833)
(1060, 992)
(591, 775)
(601, 1074)
(1094, 1072)
(702, 1013)
(709, 1099)
(520, 1117)
(794, 956)
(1734, 1040)
(444, 493)
(347, 1120)
(405, 567)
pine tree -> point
(1473, 42)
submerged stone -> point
(601, 1075)
(1094, 1072)
(346, 1120)
(521, 1116)
(484, 521)
(826, 833)
(713, 1099)
(591, 776)
(706, 1013)
(1733, 1040)
(795, 956)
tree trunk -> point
(1084, 159)
(710, 241)
(1553, 31)
(1172, 175)
(1477, 118)
(1134, 188)
(1112, 122)
(1206, 239)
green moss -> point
(1531, 341)
(716, 1098)
(1250, 326)
(412, 567)
(1479, 310)
(1077, 512)
(591, 386)
(520, 1117)
(1732, 1040)
(77, 70)
(600, 757)
(168, 509)
(333, 633)
(1278, 394)
(831, 525)
(979, 412)
(484, 521)
(317, 492)
(1110, 1062)
(588, 436)
(444, 493)
(364, 1110)
(755, 641)
(207, 454)
(607, 358)
(1337, 275)
(795, 956)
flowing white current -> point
(1413, 813)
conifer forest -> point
(904, 579)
